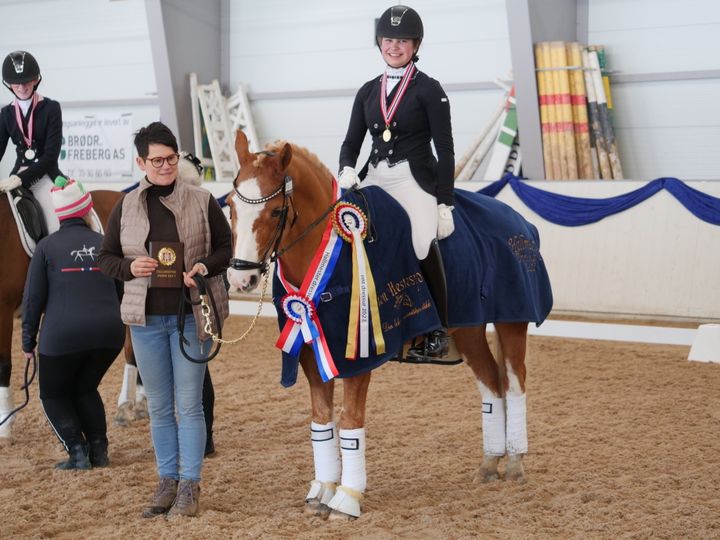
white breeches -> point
(421, 207)
(41, 191)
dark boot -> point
(435, 344)
(208, 398)
(78, 458)
(162, 499)
(99, 453)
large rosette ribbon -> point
(351, 224)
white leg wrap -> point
(127, 391)
(493, 424)
(325, 452)
(6, 405)
(517, 441)
(140, 392)
(352, 449)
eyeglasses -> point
(158, 162)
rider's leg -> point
(435, 344)
(41, 192)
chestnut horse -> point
(268, 219)
(13, 282)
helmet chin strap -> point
(35, 87)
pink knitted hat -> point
(70, 199)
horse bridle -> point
(271, 252)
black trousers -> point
(70, 397)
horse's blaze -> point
(246, 246)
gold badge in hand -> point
(169, 272)
(386, 135)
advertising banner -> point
(97, 147)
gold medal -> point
(387, 135)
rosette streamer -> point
(303, 325)
(364, 322)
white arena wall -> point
(655, 260)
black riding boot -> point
(435, 344)
(208, 398)
(99, 453)
(78, 458)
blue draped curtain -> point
(575, 211)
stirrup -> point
(434, 345)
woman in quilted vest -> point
(190, 225)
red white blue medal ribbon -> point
(388, 113)
(29, 152)
(303, 325)
(351, 224)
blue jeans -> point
(173, 382)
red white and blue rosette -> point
(300, 305)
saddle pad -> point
(493, 267)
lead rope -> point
(205, 309)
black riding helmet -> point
(400, 22)
(20, 67)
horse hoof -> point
(514, 470)
(336, 515)
(141, 410)
(323, 511)
(312, 506)
(124, 414)
(485, 476)
(515, 476)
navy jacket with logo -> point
(81, 305)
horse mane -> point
(299, 152)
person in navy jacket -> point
(81, 332)
(34, 125)
(405, 110)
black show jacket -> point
(47, 140)
(423, 115)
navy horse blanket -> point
(494, 271)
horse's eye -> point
(276, 212)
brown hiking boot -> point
(187, 502)
(162, 499)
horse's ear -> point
(285, 156)
(241, 146)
